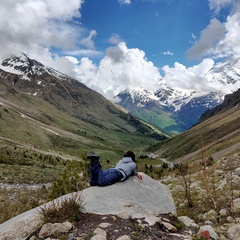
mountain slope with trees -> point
(217, 132)
(50, 110)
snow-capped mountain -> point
(226, 73)
(179, 108)
(169, 108)
(27, 67)
(46, 95)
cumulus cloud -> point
(217, 5)
(218, 40)
(88, 42)
(214, 32)
(115, 39)
(192, 78)
(30, 26)
(229, 46)
(121, 68)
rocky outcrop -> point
(134, 198)
(126, 210)
(230, 101)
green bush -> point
(69, 209)
(73, 179)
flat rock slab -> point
(133, 198)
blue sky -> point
(112, 45)
(162, 29)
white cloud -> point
(218, 40)
(72, 59)
(115, 39)
(193, 36)
(127, 2)
(167, 53)
(121, 68)
(229, 46)
(213, 33)
(88, 42)
(217, 5)
(84, 52)
(38, 25)
(192, 78)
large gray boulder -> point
(133, 198)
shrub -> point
(68, 209)
(73, 179)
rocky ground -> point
(112, 227)
(223, 224)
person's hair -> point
(130, 154)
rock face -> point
(132, 198)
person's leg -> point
(95, 168)
(109, 177)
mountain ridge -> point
(230, 101)
(182, 108)
(216, 135)
(66, 104)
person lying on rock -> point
(125, 167)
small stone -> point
(209, 223)
(54, 229)
(99, 234)
(104, 225)
(223, 212)
(204, 234)
(152, 220)
(230, 219)
(124, 237)
(211, 231)
(169, 227)
(234, 232)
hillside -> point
(170, 109)
(230, 101)
(50, 110)
(213, 136)
(48, 123)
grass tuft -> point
(68, 209)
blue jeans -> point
(104, 178)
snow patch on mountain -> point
(227, 74)
(184, 106)
(26, 67)
(225, 77)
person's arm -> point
(139, 175)
(136, 173)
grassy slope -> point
(32, 120)
(213, 135)
(158, 118)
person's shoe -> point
(93, 157)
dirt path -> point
(28, 146)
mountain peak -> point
(26, 67)
(227, 73)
